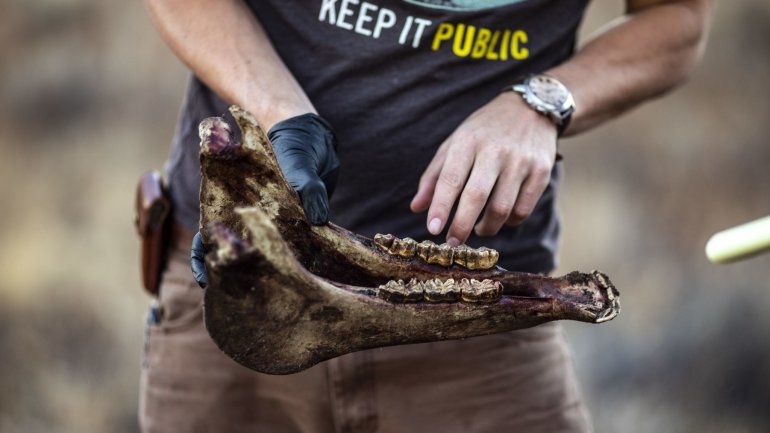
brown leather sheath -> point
(152, 224)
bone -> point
(216, 138)
(229, 246)
(289, 295)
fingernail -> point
(435, 226)
(453, 242)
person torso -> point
(395, 78)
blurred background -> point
(89, 95)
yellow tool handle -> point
(740, 242)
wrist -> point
(272, 109)
(547, 96)
(275, 114)
(515, 108)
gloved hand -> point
(305, 147)
(198, 261)
(306, 150)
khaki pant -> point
(520, 381)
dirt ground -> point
(89, 95)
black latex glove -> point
(198, 261)
(305, 147)
(306, 150)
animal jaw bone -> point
(284, 295)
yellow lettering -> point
(504, 45)
(482, 43)
(462, 46)
(491, 53)
(518, 39)
(443, 33)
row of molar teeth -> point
(443, 254)
(436, 290)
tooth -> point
(472, 259)
(404, 247)
(486, 291)
(441, 255)
(482, 260)
(438, 291)
(384, 241)
(414, 290)
(461, 255)
(494, 255)
(398, 292)
(424, 249)
(392, 291)
(487, 258)
(430, 291)
(465, 287)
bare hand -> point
(501, 156)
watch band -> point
(565, 121)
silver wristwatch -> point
(548, 96)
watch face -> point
(548, 90)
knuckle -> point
(488, 229)
(499, 210)
(484, 230)
(503, 148)
(517, 162)
(525, 158)
(451, 179)
(541, 168)
(476, 194)
(495, 150)
(462, 227)
(541, 176)
(526, 201)
(521, 213)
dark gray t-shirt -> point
(395, 78)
